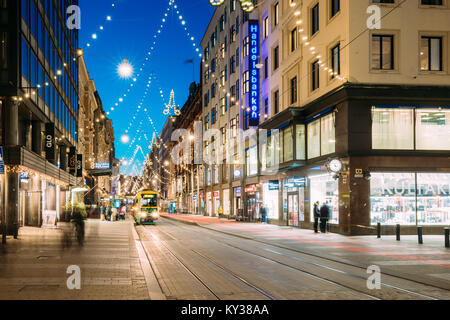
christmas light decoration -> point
(246, 5)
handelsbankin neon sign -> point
(254, 72)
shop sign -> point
(216, 194)
(253, 32)
(79, 165)
(388, 187)
(194, 197)
(24, 177)
(202, 196)
(295, 182)
(274, 185)
(50, 150)
(72, 161)
(237, 191)
(251, 189)
(359, 173)
(2, 163)
(102, 165)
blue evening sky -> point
(129, 35)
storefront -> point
(226, 202)
(325, 189)
(253, 194)
(294, 201)
(217, 204)
(209, 204)
(271, 191)
(410, 198)
(237, 202)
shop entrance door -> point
(293, 209)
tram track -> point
(198, 278)
(406, 291)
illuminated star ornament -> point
(171, 105)
(247, 5)
(125, 69)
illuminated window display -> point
(325, 189)
(270, 199)
(410, 198)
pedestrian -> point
(102, 213)
(316, 212)
(324, 216)
(263, 213)
(108, 213)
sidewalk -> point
(430, 261)
(35, 266)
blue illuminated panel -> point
(254, 72)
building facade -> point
(39, 102)
(374, 99)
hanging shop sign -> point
(216, 194)
(2, 162)
(251, 189)
(237, 192)
(79, 165)
(102, 165)
(72, 161)
(253, 57)
(359, 173)
(274, 185)
(50, 149)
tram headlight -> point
(155, 215)
(143, 214)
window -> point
(315, 19)
(432, 129)
(276, 102)
(294, 39)
(288, 144)
(301, 142)
(266, 108)
(265, 27)
(315, 81)
(223, 105)
(336, 60)
(393, 128)
(233, 127)
(410, 198)
(252, 161)
(238, 93)
(293, 90)
(335, 7)
(432, 2)
(232, 5)
(276, 57)
(213, 90)
(321, 136)
(246, 79)
(266, 67)
(246, 46)
(213, 115)
(431, 54)
(382, 52)
(237, 58)
(276, 13)
(232, 65)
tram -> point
(146, 209)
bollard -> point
(447, 237)
(398, 232)
(378, 230)
(420, 234)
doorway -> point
(293, 213)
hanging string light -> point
(108, 18)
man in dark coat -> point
(316, 212)
(324, 216)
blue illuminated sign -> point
(254, 72)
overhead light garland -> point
(94, 36)
(246, 5)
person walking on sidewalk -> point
(316, 216)
(263, 213)
(324, 216)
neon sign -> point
(254, 72)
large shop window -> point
(252, 161)
(301, 142)
(270, 198)
(396, 129)
(325, 189)
(410, 198)
(321, 137)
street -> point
(192, 262)
(216, 259)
